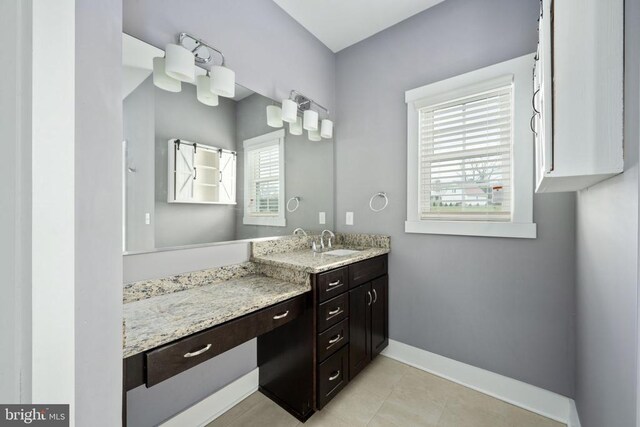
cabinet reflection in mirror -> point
(198, 174)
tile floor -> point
(389, 393)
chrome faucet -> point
(299, 230)
(331, 236)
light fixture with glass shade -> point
(274, 116)
(295, 128)
(314, 135)
(180, 63)
(161, 79)
(223, 81)
(289, 110)
(310, 120)
(203, 91)
(326, 129)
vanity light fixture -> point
(298, 103)
(179, 65)
(274, 116)
(161, 79)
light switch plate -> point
(349, 218)
(147, 218)
(322, 218)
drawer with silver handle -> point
(332, 376)
(332, 283)
(333, 311)
(332, 340)
(178, 356)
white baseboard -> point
(574, 420)
(518, 393)
(217, 404)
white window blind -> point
(264, 180)
(466, 157)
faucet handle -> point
(314, 247)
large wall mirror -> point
(198, 174)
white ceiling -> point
(341, 23)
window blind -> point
(264, 163)
(465, 157)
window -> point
(470, 154)
(264, 180)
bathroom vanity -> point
(320, 318)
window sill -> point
(270, 221)
(475, 228)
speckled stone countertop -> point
(160, 319)
(316, 262)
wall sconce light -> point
(309, 121)
(179, 65)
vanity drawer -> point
(171, 359)
(332, 376)
(333, 311)
(333, 339)
(332, 283)
(364, 271)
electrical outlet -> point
(349, 218)
(322, 218)
(147, 218)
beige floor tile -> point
(518, 417)
(458, 413)
(263, 414)
(380, 377)
(243, 407)
(407, 413)
(354, 407)
(325, 419)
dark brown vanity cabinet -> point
(305, 364)
(368, 324)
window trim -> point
(521, 224)
(266, 140)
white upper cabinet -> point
(578, 89)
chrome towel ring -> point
(297, 204)
(380, 194)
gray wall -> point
(15, 184)
(139, 134)
(180, 115)
(264, 46)
(607, 272)
(308, 173)
(505, 305)
(98, 213)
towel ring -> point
(380, 194)
(293, 199)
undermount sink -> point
(341, 252)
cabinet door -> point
(360, 300)
(379, 315)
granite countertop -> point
(316, 262)
(160, 319)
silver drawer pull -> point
(334, 376)
(199, 352)
(370, 298)
(333, 312)
(334, 340)
(281, 315)
(334, 284)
